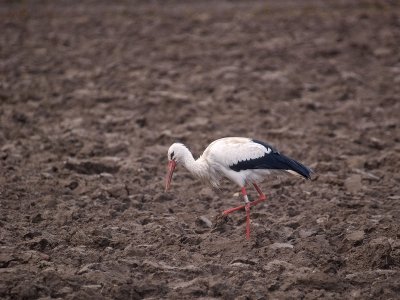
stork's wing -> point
(232, 150)
(240, 154)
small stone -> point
(243, 263)
(174, 96)
(87, 268)
(281, 245)
(107, 176)
(92, 286)
(356, 236)
(204, 222)
(353, 184)
(322, 220)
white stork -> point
(242, 160)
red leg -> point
(261, 198)
(231, 210)
(260, 193)
(247, 207)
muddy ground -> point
(92, 94)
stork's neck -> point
(197, 167)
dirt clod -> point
(356, 236)
(353, 184)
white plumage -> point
(242, 160)
(229, 151)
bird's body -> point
(242, 160)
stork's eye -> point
(172, 155)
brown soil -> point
(93, 94)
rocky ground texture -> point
(93, 93)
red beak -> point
(171, 168)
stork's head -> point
(176, 154)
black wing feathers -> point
(272, 161)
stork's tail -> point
(294, 167)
